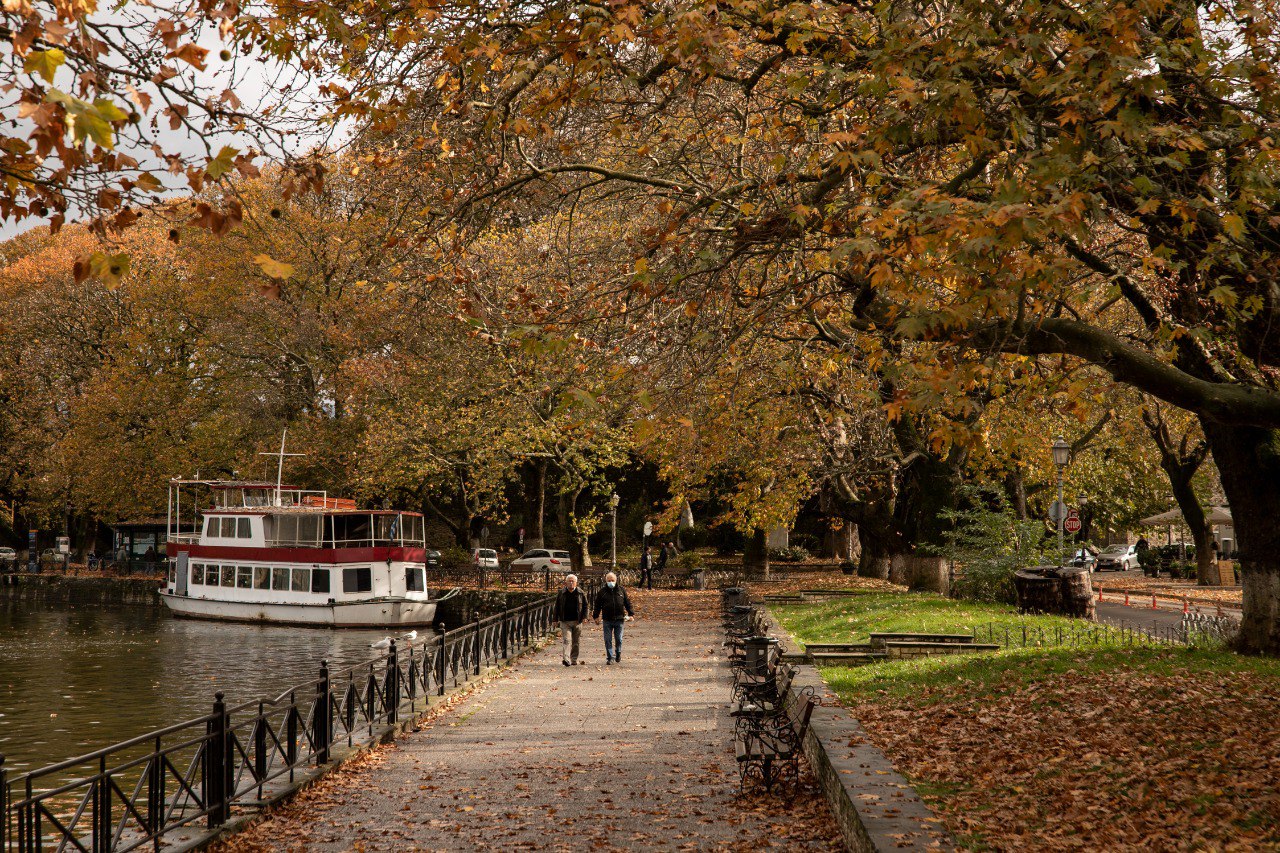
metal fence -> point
(203, 772)
(1194, 629)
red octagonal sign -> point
(1072, 524)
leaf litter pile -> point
(553, 758)
(1150, 758)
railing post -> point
(440, 632)
(101, 810)
(260, 747)
(476, 647)
(322, 718)
(4, 806)
(215, 764)
(506, 628)
(291, 733)
(155, 793)
(391, 686)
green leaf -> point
(44, 62)
(223, 163)
(272, 267)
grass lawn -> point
(1065, 748)
(851, 620)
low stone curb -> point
(876, 808)
(306, 778)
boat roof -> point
(302, 510)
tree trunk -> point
(1067, 592)
(1015, 486)
(877, 537)
(535, 494)
(755, 555)
(847, 541)
(1248, 460)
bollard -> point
(1186, 604)
(1126, 599)
(323, 733)
(1153, 603)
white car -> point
(541, 559)
(8, 555)
(1121, 558)
(485, 558)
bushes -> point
(988, 544)
(793, 554)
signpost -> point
(33, 557)
(1072, 524)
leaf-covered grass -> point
(851, 620)
(939, 679)
(1135, 748)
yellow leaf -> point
(273, 268)
(44, 62)
(223, 163)
(1233, 225)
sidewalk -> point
(551, 758)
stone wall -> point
(74, 590)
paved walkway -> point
(547, 757)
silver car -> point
(1120, 558)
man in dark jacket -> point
(646, 568)
(571, 612)
(613, 604)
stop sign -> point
(1072, 524)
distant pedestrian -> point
(646, 568)
(571, 612)
(660, 564)
(613, 604)
(1142, 544)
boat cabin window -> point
(228, 575)
(261, 577)
(243, 528)
(357, 580)
(352, 531)
(302, 580)
(415, 579)
(319, 580)
(297, 530)
(244, 577)
(279, 578)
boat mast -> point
(280, 467)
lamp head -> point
(1061, 452)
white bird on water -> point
(384, 643)
(411, 636)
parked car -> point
(433, 559)
(485, 558)
(8, 555)
(1121, 558)
(541, 559)
(1084, 558)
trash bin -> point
(699, 579)
(757, 651)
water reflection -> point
(74, 678)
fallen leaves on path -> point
(1124, 760)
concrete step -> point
(879, 638)
(838, 648)
(848, 658)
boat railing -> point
(239, 758)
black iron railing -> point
(199, 774)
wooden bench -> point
(768, 744)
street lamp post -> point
(614, 500)
(1061, 456)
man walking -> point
(571, 612)
(646, 568)
(613, 604)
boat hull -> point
(374, 613)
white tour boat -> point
(267, 552)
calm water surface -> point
(74, 678)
